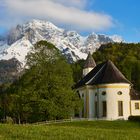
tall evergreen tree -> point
(44, 92)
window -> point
(104, 108)
(120, 108)
(136, 105)
(103, 93)
(119, 93)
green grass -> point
(86, 130)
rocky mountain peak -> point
(20, 40)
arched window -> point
(104, 93)
(119, 92)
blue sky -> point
(125, 12)
(101, 16)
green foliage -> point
(77, 69)
(4, 101)
(44, 91)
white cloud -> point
(73, 3)
(69, 13)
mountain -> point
(21, 39)
(9, 70)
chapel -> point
(106, 92)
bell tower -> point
(89, 64)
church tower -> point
(89, 65)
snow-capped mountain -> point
(21, 39)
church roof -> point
(104, 73)
(89, 63)
(135, 95)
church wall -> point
(91, 95)
(112, 99)
(86, 71)
(92, 99)
(88, 96)
(100, 99)
(82, 93)
(135, 107)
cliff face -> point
(20, 40)
(9, 70)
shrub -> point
(9, 120)
(134, 118)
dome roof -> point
(104, 73)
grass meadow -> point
(84, 130)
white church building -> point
(106, 93)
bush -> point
(9, 120)
(134, 118)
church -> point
(106, 93)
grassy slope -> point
(94, 130)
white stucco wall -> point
(92, 99)
(82, 93)
(135, 112)
(86, 71)
(112, 99)
(100, 99)
(88, 96)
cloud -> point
(73, 3)
(70, 13)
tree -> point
(4, 101)
(44, 91)
(77, 69)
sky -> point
(108, 17)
